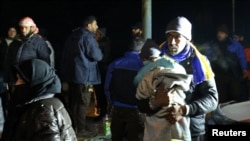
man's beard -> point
(25, 37)
(173, 49)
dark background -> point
(60, 17)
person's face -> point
(93, 27)
(19, 80)
(136, 32)
(176, 42)
(12, 33)
(221, 36)
(236, 37)
(25, 30)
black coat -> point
(34, 114)
(44, 120)
(33, 47)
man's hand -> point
(245, 74)
(175, 113)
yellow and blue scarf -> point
(201, 67)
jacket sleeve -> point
(8, 64)
(204, 99)
(93, 50)
(108, 78)
(241, 56)
(43, 51)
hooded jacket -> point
(34, 113)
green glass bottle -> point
(106, 125)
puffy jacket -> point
(201, 100)
(34, 113)
(32, 47)
(51, 123)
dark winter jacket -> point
(119, 87)
(44, 120)
(4, 48)
(80, 56)
(202, 96)
(34, 114)
(227, 58)
(32, 47)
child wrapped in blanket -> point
(157, 86)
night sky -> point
(59, 17)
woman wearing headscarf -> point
(34, 112)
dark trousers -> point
(199, 138)
(229, 88)
(126, 123)
(101, 100)
(78, 102)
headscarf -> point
(27, 21)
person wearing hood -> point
(33, 46)
(34, 111)
(202, 96)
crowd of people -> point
(155, 91)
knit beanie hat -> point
(223, 28)
(150, 49)
(181, 25)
